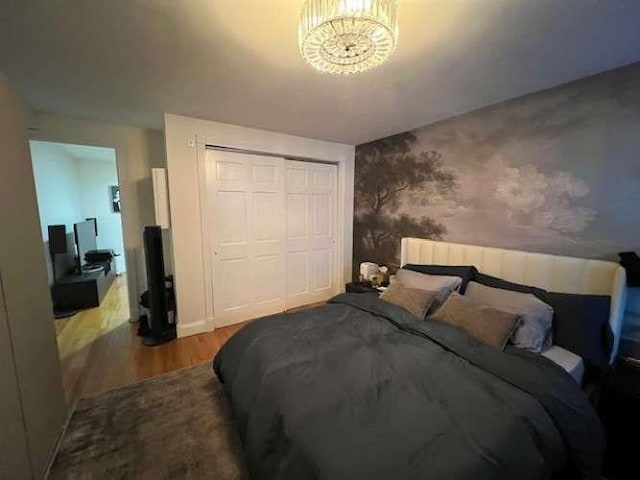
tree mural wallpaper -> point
(557, 171)
(386, 171)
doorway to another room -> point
(80, 215)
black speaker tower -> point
(57, 239)
(57, 246)
(161, 330)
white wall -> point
(137, 150)
(95, 179)
(57, 186)
(31, 368)
(185, 144)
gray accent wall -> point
(556, 171)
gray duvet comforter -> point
(360, 389)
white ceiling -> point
(236, 61)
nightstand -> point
(357, 287)
(620, 414)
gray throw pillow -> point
(487, 325)
(535, 332)
(414, 300)
(424, 281)
(442, 285)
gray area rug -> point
(175, 426)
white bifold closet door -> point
(311, 232)
(272, 232)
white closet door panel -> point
(232, 250)
(231, 170)
(322, 243)
(264, 174)
(297, 212)
(232, 264)
(231, 291)
(297, 222)
(232, 218)
(266, 269)
(324, 178)
(311, 232)
(297, 177)
(298, 284)
(246, 211)
(322, 218)
(268, 273)
(267, 224)
(322, 272)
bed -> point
(358, 389)
(550, 272)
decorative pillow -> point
(442, 284)
(581, 325)
(534, 333)
(414, 300)
(423, 281)
(496, 282)
(465, 273)
(485, 324)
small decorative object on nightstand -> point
(620, 414)
(373, 274)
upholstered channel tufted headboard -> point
(553, 273)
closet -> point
(272, 231)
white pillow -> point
(534, 333)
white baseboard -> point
(191, 328)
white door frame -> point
(205, 229)
(203, 174)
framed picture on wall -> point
(114, 195)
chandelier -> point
(347, 36)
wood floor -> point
(99, 348)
